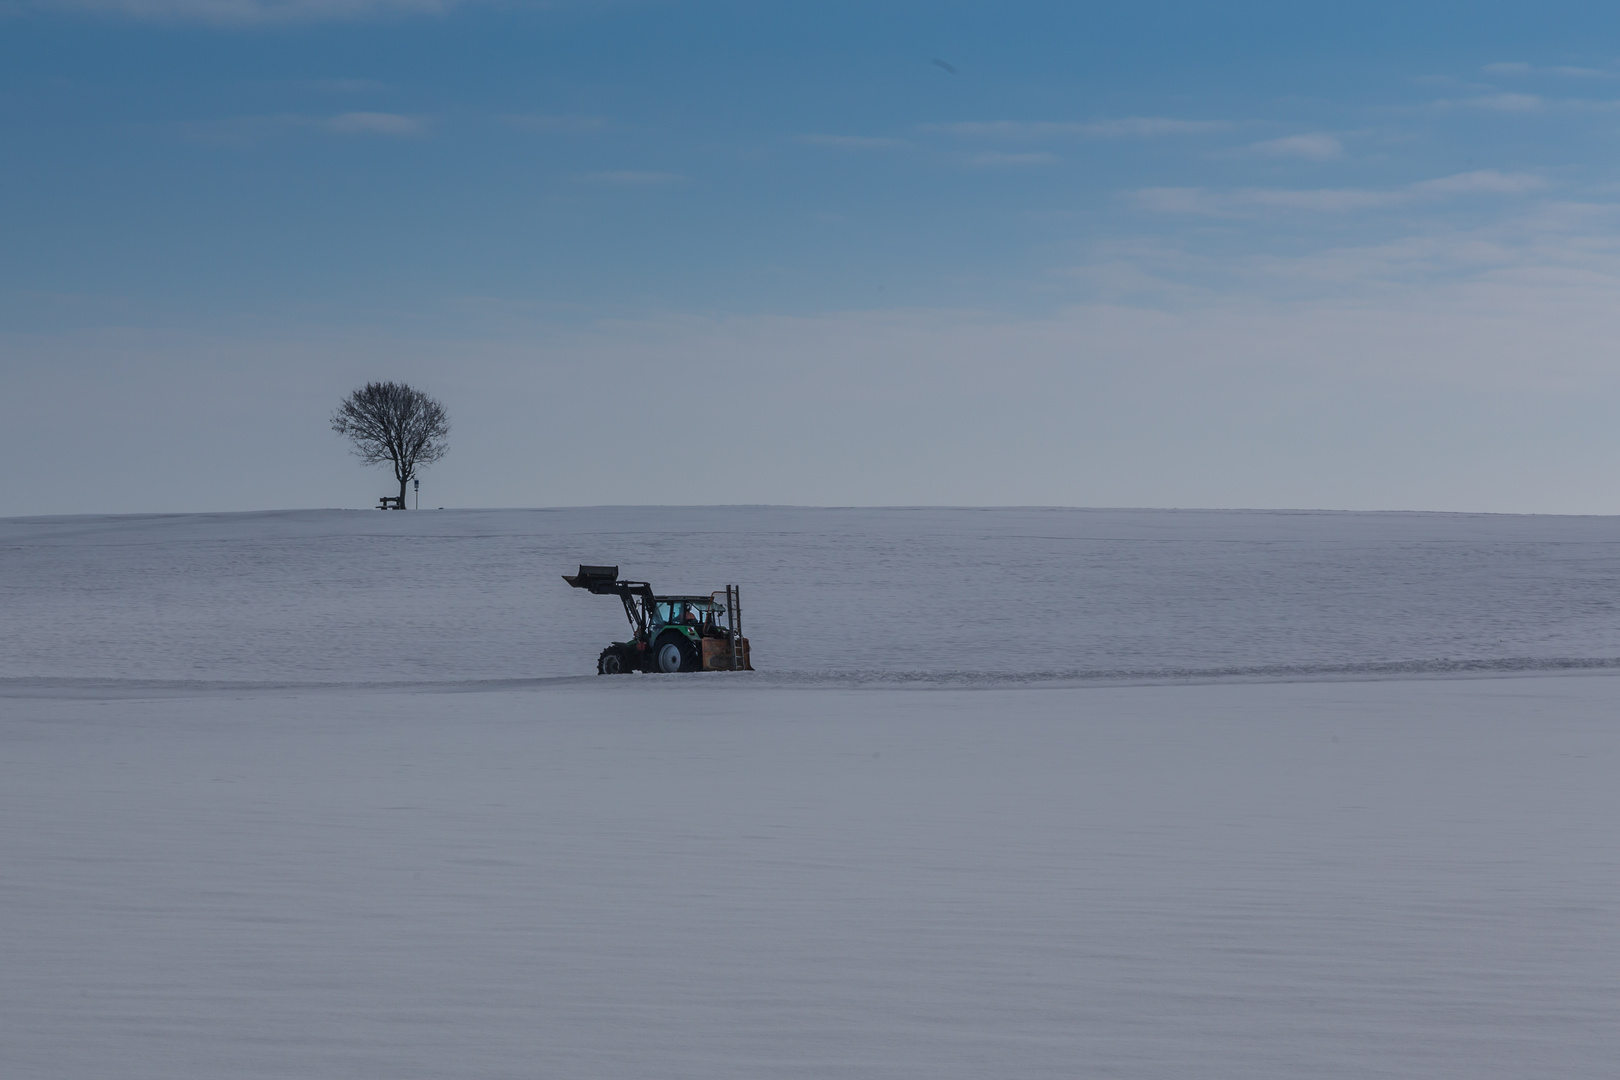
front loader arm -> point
(604, 581)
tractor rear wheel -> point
(674, 653)
(612, 662)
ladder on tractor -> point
(734, 624)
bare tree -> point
(392, 422)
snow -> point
(371, 596)
(1097, 793)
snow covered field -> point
(1239, 826)
(367, 596)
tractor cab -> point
(688, 613)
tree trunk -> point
(402, 482)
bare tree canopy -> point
(392, 422)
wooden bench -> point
(391, 502)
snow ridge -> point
(112, 689)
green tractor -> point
(669, 633)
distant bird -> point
(942, 64)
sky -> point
(1150, 254)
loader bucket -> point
(593, 577)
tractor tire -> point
(674, 653)
(612, 662)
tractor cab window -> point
(708, 615)
(676, 611)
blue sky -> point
(1147, 254)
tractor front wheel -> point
(673, 653)
(612, 662)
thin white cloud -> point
(1322, 201)
(245, 131)
(1314, 147)
(1179, 200)
(1526, 104)
(1573, 241)
(1503, 103)
(849, 142)
(1148, 127)
(1247, 201)
(1004, 129)
(994, 160)
(375, 123)
(339, 86)
(1510, 103)
(1519, 68)
(1482, 182)
(632, 178)
(250, 12)
(1141, 127)
(1443, 80)
(563, 125)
